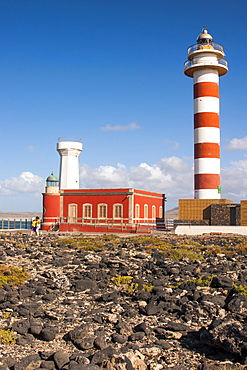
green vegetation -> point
(242, 289)
(12, 275)
(21, 245)
(202, 280)
(177, 254)
(175, 249)
(7, 336)
(89, 243)
(174, 252)
(147, 288)
(121, 280)
(126, 284)
(6, 315)
(146, 240)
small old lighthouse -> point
(67, 207)
(69, 150)
(205, 64)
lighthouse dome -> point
(204, 37)
(52, 180)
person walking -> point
(37, 226)
(33, 226)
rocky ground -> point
(123, 303)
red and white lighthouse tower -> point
(205, 64)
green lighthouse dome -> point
(52, 180)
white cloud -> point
(234, 180)
(173, 145)
(130, 127)
(172, 176)
(31, 148)
(25, 183)
(237, 144)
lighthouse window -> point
(87, 210)
(102, 211)
(118, 211)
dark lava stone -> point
(40, 290)
(140, 327)
(163, 344)
(7, 287)
(10, 252)
(137, 336)
(48, 334)
(99, 318)
(84, 284)
(21, 327)
(85, 343)
(35, 329)
(237, 303)
(108, 297)
(119, 338)
(27, 308)
(103, 355)
(25, 292)
(79, 358)
(49, 297)
(61, 262)
(32, 361)
(25, 339)
(50, 365)
(152, 309)
(61, 358)
(83, 367)
(100, 342)
(176, 326)
(221, 282)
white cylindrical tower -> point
(205, 64)
(69, 150)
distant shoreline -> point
(170, 215)
(19, 215)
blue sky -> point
(111, 73)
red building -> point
(101, 210)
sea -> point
(15, 224)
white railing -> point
(114, 223)
(212, 45)
(190, 63)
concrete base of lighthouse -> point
(208, 212)
(207, 194)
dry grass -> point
(12, 275)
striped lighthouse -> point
(205, 64)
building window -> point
(161, 212)
(137, 211)
(102, 210)
(153, 212)
(117, 211)
(87, 211)
(146, 211)
(72, 213)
